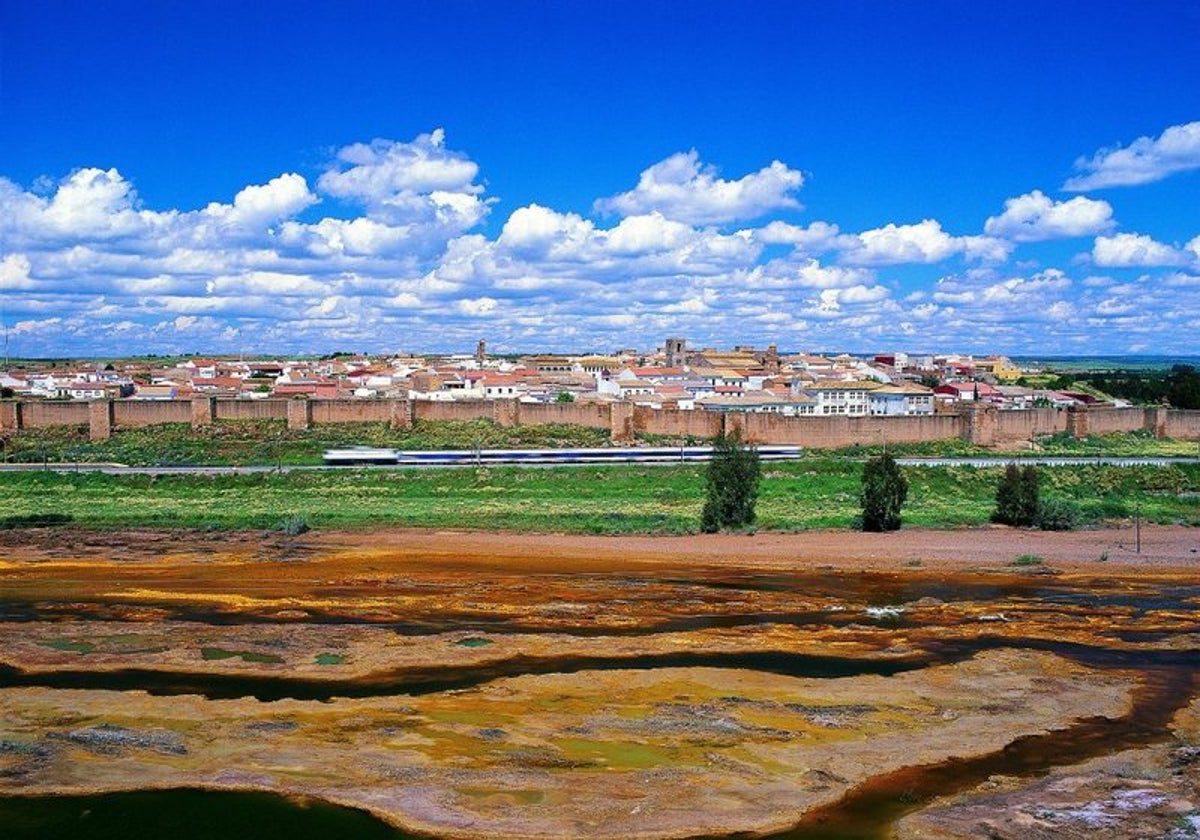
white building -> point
(849, 399)
(901, 400)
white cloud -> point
(536, 230)
(400, 183)
(862, 294)
(380, 169)
(359, 237)
(1143, 161)
(43, 325)
(830, 303)
(257, 207)
(1034, 217)
(476, 306)
(1132, 249)
(266, 283)
(807, 273)
(816, 238)
(395, 263)
(924, 242)
(88, 205)
(683, 189)
(645, 234)
(14, 273)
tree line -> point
(1180, 387)
(734, 472)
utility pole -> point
(1137, 524)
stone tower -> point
(771, 359)
(676, 352)
(481, 352)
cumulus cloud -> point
(14, 273)
(380, 169)
(402, 183)
(257, 207)
(385, 250)
(816, 238)
(1124, 250)
(684, 189)
(1034, 217)
(1143, 161)
(88, 205)
(924, 242)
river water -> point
(1122, 617)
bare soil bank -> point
(1163, 548)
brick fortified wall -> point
(41, 415)
(1016, 426)
(838, 432)
(1182, 425)
(672, 422)
(461, 411)
(128, 414)
(1107, 421)
(351, 411)
(592, 415)
(235, 410)
(981, 424)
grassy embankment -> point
(270, 442)
(813, 493)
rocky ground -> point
(1148, 792)
(669, 752)
(573, 686)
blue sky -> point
(305, 177)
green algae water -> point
(185, 814)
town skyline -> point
(559, 191)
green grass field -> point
(813, 493)
(269, 442)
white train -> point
(360, 455)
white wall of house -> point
(901, 405)
(841, 401)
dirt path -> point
(1163, 548)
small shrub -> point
(34, 520)
(1028, 560)
(293, 526)
(1059, 515)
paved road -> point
(120, 469)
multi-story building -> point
(901, 400)
(851, 399)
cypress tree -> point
(884, 491)
(1030, 497)
(1017, 497)
(731, 485)
(1008, 497)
